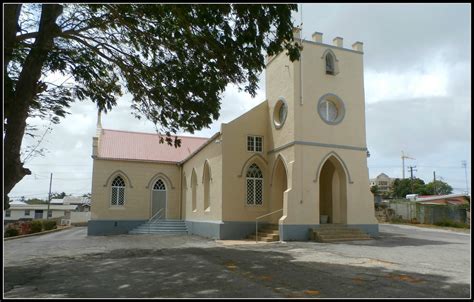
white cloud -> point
(413, 83)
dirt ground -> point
(402, 262)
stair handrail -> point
(256, 222)
(149, 220)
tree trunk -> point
(11, 27)
(25, 91)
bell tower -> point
(317, 113)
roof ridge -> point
(187, 136)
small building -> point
(22, 211)
(383, 182)
(81, 214)
(449, 199)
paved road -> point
(404, 261)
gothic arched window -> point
(330, 64)
(254, 185)
(118, 192)
(159, 185)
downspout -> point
(180, 192)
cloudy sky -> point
(417, 60)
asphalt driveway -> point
(403, 262)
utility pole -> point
(464, 165)
(49, 195)
(434, 182)
(412, 168)
(403, 163)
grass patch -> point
(454, 224)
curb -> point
(36, 234)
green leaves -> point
(175, 60)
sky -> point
(417, 76)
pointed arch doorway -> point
(332, 192)
(279, 186)
(158, 201)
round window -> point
(331, 109)
(280, 112)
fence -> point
(428, 213)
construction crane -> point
(403, 163)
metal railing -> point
(152, 217)
(256, 222)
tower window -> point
(280, 112)
(331, 109)
(330, 64)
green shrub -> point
(36, 226)
(397, 219)
(450, 223)
(49, 224)
(11, 232)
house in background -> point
(383, 182)
(299, 157)
(81, 214)
(83, 203)
(449, 199)
(20, 210)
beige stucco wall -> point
(303, 205)
(236, 160)
(348, 85)
(212, 154)
(280, 81)
(301, 200)
(139, 179)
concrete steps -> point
(267, 233)
(161, 227)
(336, 232)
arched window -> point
(254, 185)
(118, 192)
(193, 188)
(206, 180)
(330, 64)
(159, 185)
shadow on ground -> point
(397, 240)
(216, 272)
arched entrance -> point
(332, 192)
(158, 198)
(279, 186)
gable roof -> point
(18, 203)
(127, 145)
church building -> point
(299, 159)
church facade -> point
(299, 157)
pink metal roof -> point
(115, 144)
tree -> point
(58, 195)
(36, 201)
(438, 187)
(402, 187)
(374, 189)
(175, 60)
